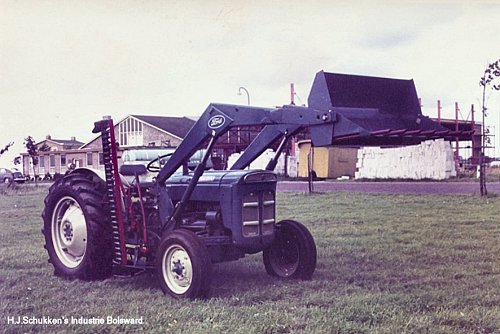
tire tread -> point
(89, 192)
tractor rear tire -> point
(183, 265)
(293, 252)
(76, 228)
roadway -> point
(453, 188)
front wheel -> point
(293, 252)
(183, 267)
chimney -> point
(106, 117)
(48, 137)
(73, 138)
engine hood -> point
(226, 177)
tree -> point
(44, 148)
(32, 150)
(491, 73)
(6, 148)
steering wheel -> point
(156, 169)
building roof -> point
(65, 142)
(175, 126)
(178, 126)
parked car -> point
(8, 176)
(495, 164)
(18, 176)
(143, 156)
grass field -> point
(386, 264)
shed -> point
(328, 162)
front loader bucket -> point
(373, 111)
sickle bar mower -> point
(113, 189)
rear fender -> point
(99, 173)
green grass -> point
(386, 264)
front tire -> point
(293, 252)
(183, 265)
(77, 229)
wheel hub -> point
(286, 256)
(69, 232)
(177, 269)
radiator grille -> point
(258, 213)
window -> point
(52, 160)
(89, 159)
(63, 160)
(41, 161)
(130, 133)
(101, 158)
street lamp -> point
(246, 91)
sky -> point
(66, 64)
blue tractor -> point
(97, 224)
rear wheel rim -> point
(177, 269)
(69, 232)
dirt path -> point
(455, 188)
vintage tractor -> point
(98, 223)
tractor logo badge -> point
(216, 122)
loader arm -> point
(268, 135)
(219, 118)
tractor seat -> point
(133, 170)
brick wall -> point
(159, 138)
